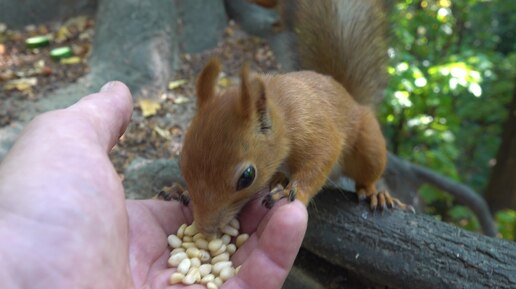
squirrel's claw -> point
(268, 202)
(184, 198)
(382, 200)
(289, 192)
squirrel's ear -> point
(253, 98)
(207, 81)
(245, 105)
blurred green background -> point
(452, 78)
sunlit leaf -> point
(22, 84)
(176, 84)
(162, 132)
(181, 100)
(149, 107)
(71, 60)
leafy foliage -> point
(452, 70)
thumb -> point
(108, 111)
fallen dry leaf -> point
(162, 132)
(181, 100)
(62, 34)
(22, 84)
(149, 107)
(71, 60)
(2, 49)
(176, 84)
(79, 22)
(7, 75)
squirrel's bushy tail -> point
(344, 39)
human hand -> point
(65, 223)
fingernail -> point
(108, 86)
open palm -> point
(64, 221)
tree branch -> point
(403, 176)
(404, 250)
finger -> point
(268, 265)
(108, 111)
(253, 222)
(70, 142)
(97, 119)
(251, 216)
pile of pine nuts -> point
(204, 260)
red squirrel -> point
(308, 122)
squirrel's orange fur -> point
(307, 121)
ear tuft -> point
(207, 81)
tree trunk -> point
(501, 188)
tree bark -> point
(501, 188)
(404, 250)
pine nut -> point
(226, 273)
(201, 244)
(195, 272)
(205, 269)
(221, 250)
(175, 259)
(235, 224)
(191, 230)
(237, 269)
(173, 252)
(184, 266)
(174, 241)
(217, 267)
(181, 230)
(207, 278)
(214, 245)
(211, 285)
(220, 258)
(226, 239)
(195, 262)
(176, 278)
(241, 239)
(204, 256)
(198, 236)
(189, 279)
(230, 231)
(187, 245)
(193, 252)
(187, 239)
(218, 281)
(231, 249)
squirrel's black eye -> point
(246, 179)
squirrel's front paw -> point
(174, 192)
(279, 192)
